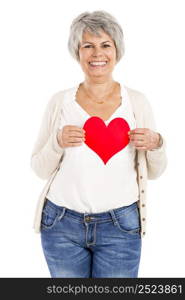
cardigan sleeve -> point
(156, 159)
(46, 152)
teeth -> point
(98, 63)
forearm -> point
(157, 159)
(46, 160)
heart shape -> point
(106, 141)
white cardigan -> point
(84, 183)
(47, 155)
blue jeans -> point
(91, 245)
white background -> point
(35, 63)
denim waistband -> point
(96, 216)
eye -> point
(104, 46)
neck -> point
(98, 87)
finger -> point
(76, 139)
(137, 138)
(75, 128)
(75, 144)
(138, 144)
(78, 132)
(141, 148)
(137, 131)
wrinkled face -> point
(97, 54)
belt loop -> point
(113, 216)
(62, 214)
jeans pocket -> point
(49, 217)
(129, 222)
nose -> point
(97, 52)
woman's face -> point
(97, 54)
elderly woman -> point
(97, 146)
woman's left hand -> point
(144, 138)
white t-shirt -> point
(84, 183)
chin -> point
(99, 75)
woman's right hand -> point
(70, 136)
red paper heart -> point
(106, 141)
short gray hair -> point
(93, 23)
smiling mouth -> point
(96, 64)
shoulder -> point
(59, 97)
(139, 101)
(137, 97)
